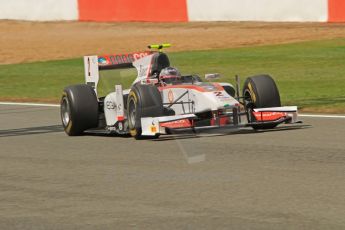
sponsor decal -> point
(102, 61)
(171, 96)
(111, 128)
(221, 96)
(153, 128)
(88, 67)
(110, 105)
(120, 125)
(143, 70)
(139, 55)
(117, 59)
(184, 123)
(269, 116)
(119, 107)
(218, 94)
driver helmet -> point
(169, 75)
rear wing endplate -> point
(93, 64)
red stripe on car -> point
(269, 116)
(217, 86)
(184, 123)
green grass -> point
(40, 80)
(310, 74)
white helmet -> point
(169, 75)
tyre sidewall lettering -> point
(251, 92)
(69, 125)
(132, 96)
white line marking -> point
(56, 105)
(29, 104)
(321, 116)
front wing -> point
(152, 126)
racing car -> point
(163, 101)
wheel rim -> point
(65, 111)
(132, 108)
(248, 98)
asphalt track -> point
(283, 179)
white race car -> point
(162, 101)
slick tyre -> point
(78, 109)
(143, 101)
(260, 92)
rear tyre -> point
(78, 109)
(260, 92)
(143, 101)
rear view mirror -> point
(211, 76)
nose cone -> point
(214, 100)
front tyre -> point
(78, 109)
(143, 101)
(260, 92)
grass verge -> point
(309, 74)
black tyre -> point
(260, 92)
(79, 109)
(143, 101)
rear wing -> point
(93, 64)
